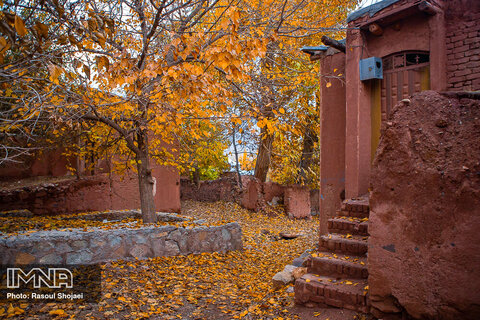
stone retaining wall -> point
(100, 245)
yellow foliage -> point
(20, 26)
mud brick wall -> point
(463, 46)
(424, 245)
(297, 202)
(92, 193)
(223, 189)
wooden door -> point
(404, 74)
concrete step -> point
(353, 214)
(348, 225)
(351, 244)
(338, 266)
(347, 293)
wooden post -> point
(428, 8)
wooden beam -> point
(334, 43)
(428, 8)
(315, 57)
(375, 29)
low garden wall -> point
(98, 245)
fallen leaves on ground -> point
(232, 285)
(14, 225)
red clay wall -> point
(463, 45)
(297, 202)
(50, 163)
(93, 193)
(413, 35)
(424, 245)
(125, 194)
(223, 189)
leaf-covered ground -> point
(234, 285)
(12, 225)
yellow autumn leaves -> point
(232, 285)
(20, 26)
(12, 311)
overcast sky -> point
(365, 3)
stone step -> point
(356, 205)
(355, 245)
(347, 293)
(353, 214)
(348, 226)
(338, 265)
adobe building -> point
(412, 45)
(400, 132)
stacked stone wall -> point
(100, 245)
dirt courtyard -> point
(234, 285)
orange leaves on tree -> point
(55, 72)
(3, 43)
(41, 29)
(102, 62)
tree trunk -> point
(237, 165)
(196, 176)
(309, 139)
(264, 146)
(263, 157)
(145, 181)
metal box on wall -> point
(371, 68)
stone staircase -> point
(337, 274)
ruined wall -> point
(463, 44)
(297, 202)
(253, 195)
(300, 202)
(256, 195)
(50, 163)
(424, 245)
(93, 193)
(223, 189)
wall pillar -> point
(332, 137)
(358, 120)
(438, 51)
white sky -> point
(365, 3)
